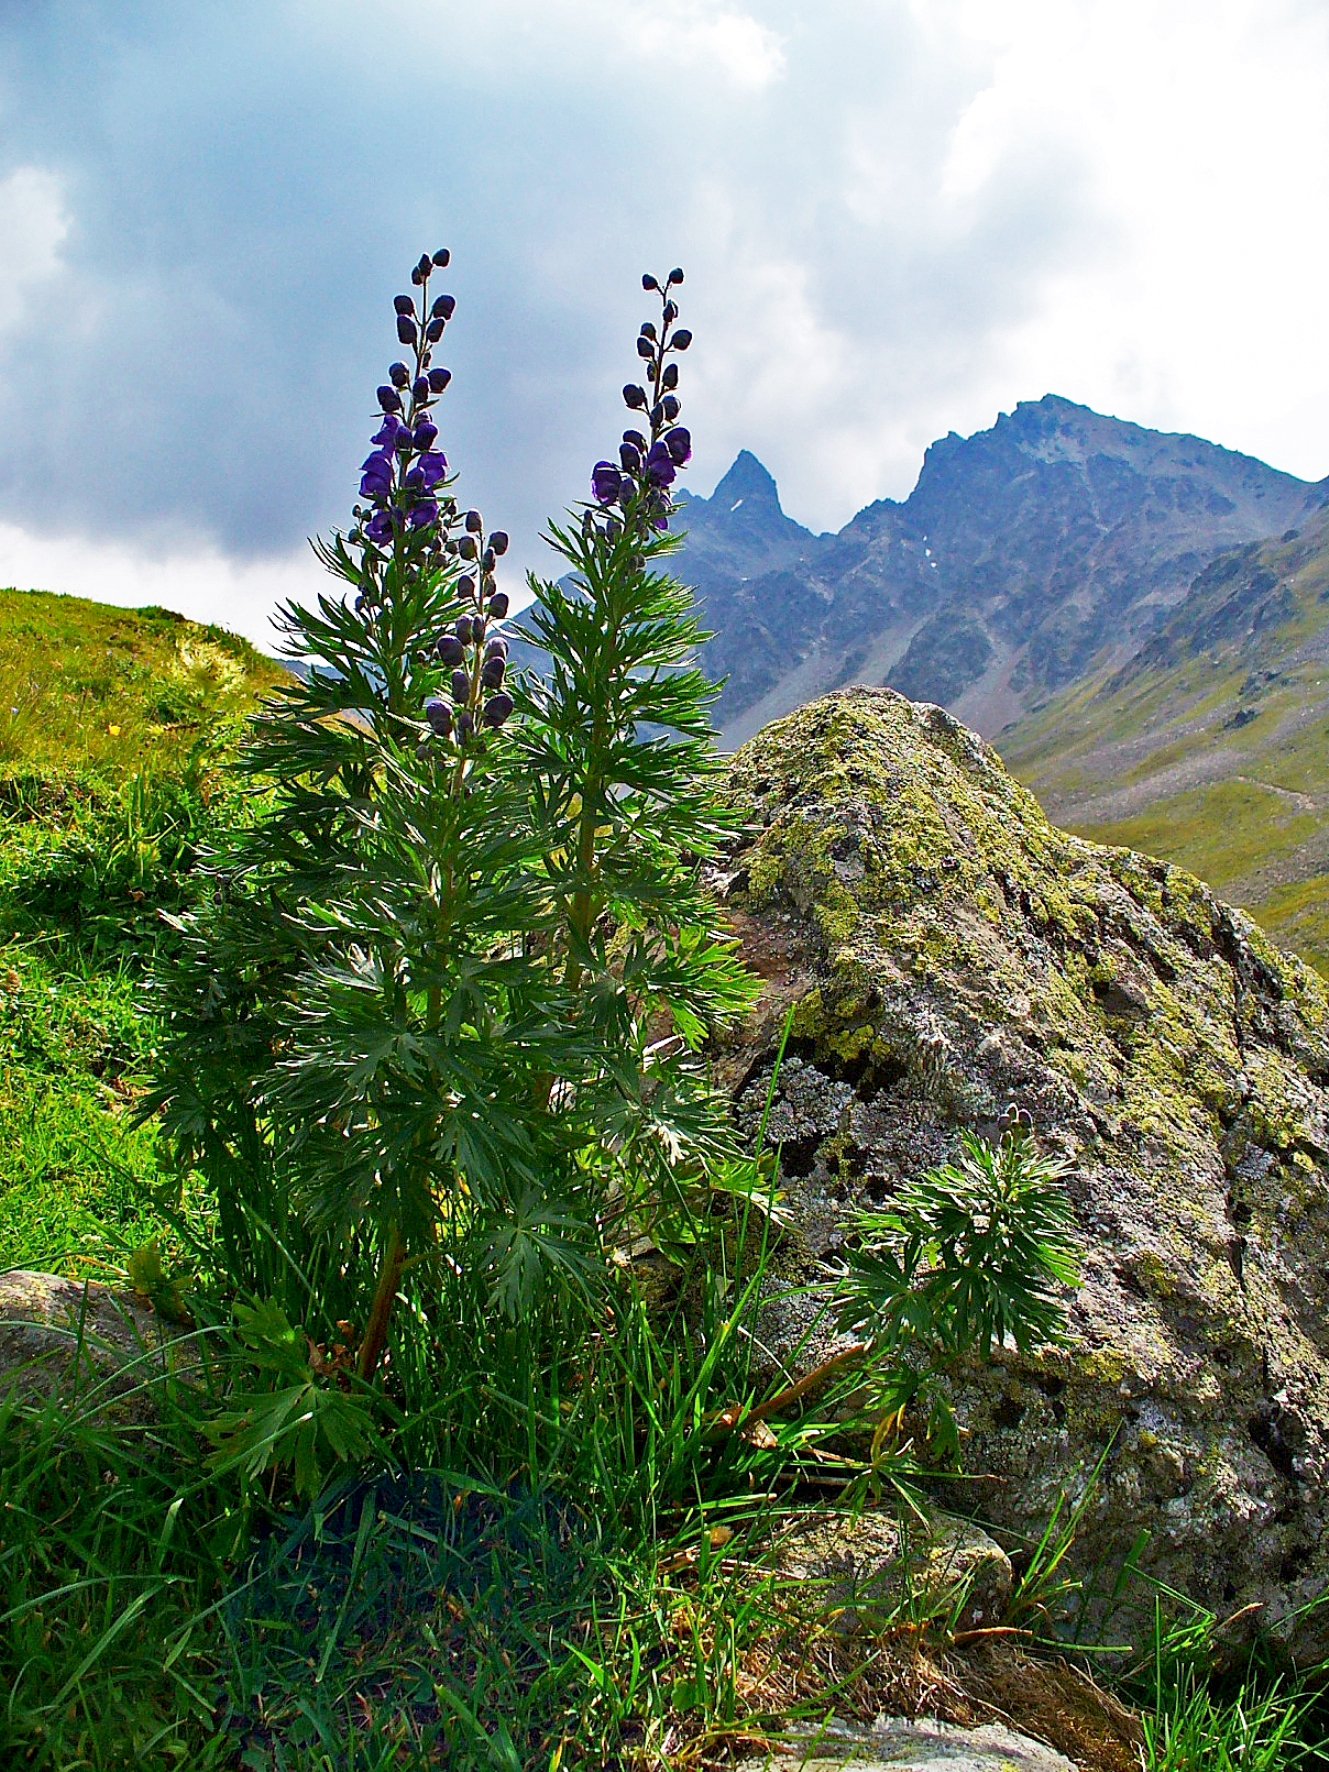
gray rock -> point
(872, 1570)
(1162, 1045)
(896, 1745)
(66, 1334)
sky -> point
(897, 218)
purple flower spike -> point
(679, 444)
(389, 399)
(660, 470)
(606, 482)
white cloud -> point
(33, 225)
(699, 36)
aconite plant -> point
(434, 1039)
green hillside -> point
(1211, 747)
(115, 726)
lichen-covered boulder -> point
(71, 1335)
(899, 1744)
(946, 952)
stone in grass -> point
(894, 1744)
(72, 1335)
(974, 956)
(870, 1570)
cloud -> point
(897, 217)
(33, 225)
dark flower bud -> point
(406, 331)
(438, 380)
(670, 377)
(675, 276)
(441, 257)
(420, 388)
(462, 628)
(498, 541)
(657, 415)
(647, 329)
(636, 438)
(630, 456)
(660, 469)
(439, 716)
(649, 282)
(398, 374)
(670, 313)
(491, 673)
(465, 723)
(416, 278)
(681, 339)
(474, 523)
(450, 650)
(488, 559)
(496, 647)
(403, 304)
(671, 407)
(679, 444)
(425, 434)
(389, 399)
(360, 605)
(434, 331)
(644, 348)
(497, 709)
(415, 480)
(425, 265)
(477, 628)
(498, 606)
(466, 547)
(461, 685)
(606, 482)
(402, 441)
(634, 397)
(466, 585)
(444, 308)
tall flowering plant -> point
(441, 1013)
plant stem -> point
(376, 1330)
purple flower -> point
(461, 686)
(497, 647)
(630, 456)
(415, 480)
(606, 482)
(425, 433)
(679, 444)
(498, 606)
(439, 716)
(660, 470)
(387, 431)
(450, 650)
(491, 672)
(438, 380)
(433, 465)
(423, 514)
(398, 374)
(379, 526)
(635, 438)
(389, 399)
(497, 709)
(376, 480)
(420, 388)
(670, 404)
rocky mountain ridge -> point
(1025, 555)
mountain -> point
(1209, 746)
(1025, 556)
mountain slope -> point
(1210, 746)
(1024, 555)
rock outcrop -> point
(67, 1335)
(946, 951)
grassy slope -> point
(113, 727)
(1213, 751)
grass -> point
(583, 1577)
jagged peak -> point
(748, 480)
